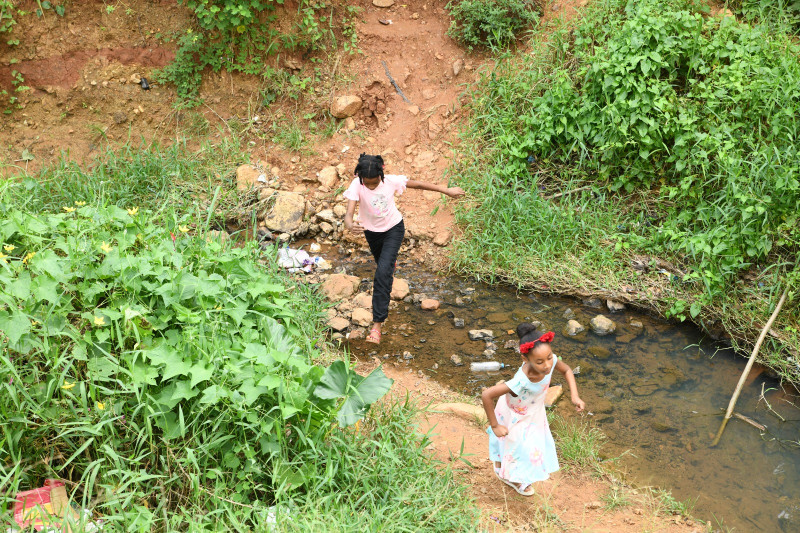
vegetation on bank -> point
(651, 136)
(120, 373)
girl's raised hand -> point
(500, 431)
(455, 192)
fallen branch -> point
(391, 79)
(749, 365)
(559, 195)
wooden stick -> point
(747, 367)
(396, 87)
(750, 421)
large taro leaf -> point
(358, 392)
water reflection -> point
(657, 390)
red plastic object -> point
(43, 507)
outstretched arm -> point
(562, 367)
(488, 396)
(455, 192)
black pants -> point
(384, 247)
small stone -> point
(636, 324)
(356, 334)
(338, 323)
(408, 356)
(428, 94)
(593, 302)
(615, 306)
(414, 16)
(602, 325)
(458, 322)
(442, 238)
(511, 345)
(456, 360)
(429, 304)
(553, 395)
(383, 3)
(573, 328)
(569, 314)
(328, 177)
(481, 334)
(599, 352)
(488, 354)
(338, 286)
(363, 299)
(399, 289)
(345, 106)
(458, 66)
(414, 110)
(594, 505)
(326, 227)
(135, 78)
(120, 118)
(361, 317)
(349, 124)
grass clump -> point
(650, 131)
(492, 24)
(381, 479)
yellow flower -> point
(28, 257)
(133, 211)
(101, 406)
(79, 203)
(183, 229)
(99, 321)
(9, 247)
(3, 258)
(189, 30)
(34, 323)
(68, 209)
(67, 385)
(106, 247)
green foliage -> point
(7, 21)
(493, 24)
(242, 36)
(157, 365)
(380, 479)
(783, 15)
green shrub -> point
(157, 371)
(704, 110)
(493, 24)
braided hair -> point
(369, 166)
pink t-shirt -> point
(377, 211)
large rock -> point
(552, 395)
(399, 289)
(429, 304)
(346, 106)
(602, 325)
(573, 328)
(287, 213)
(328, 177)
(338, 286)
(327, 215)
(383, 3)
(361, 316)
(247, 176)
(442, 238)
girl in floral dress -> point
(520, 443)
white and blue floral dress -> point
(528, 453)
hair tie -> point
(547, 337)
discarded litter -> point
(301, 261)
(47, 509)
(144, 84)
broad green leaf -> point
(15, 325)
(200, 373)
(251, 391)
(143, 373)
(213, 394)
(45, 288)
(334, 382)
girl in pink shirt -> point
(382, 225)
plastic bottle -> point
(486, 367)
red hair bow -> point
(547, 337)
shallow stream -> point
(657, 392)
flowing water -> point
(657, 392)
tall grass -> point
(574, 182)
